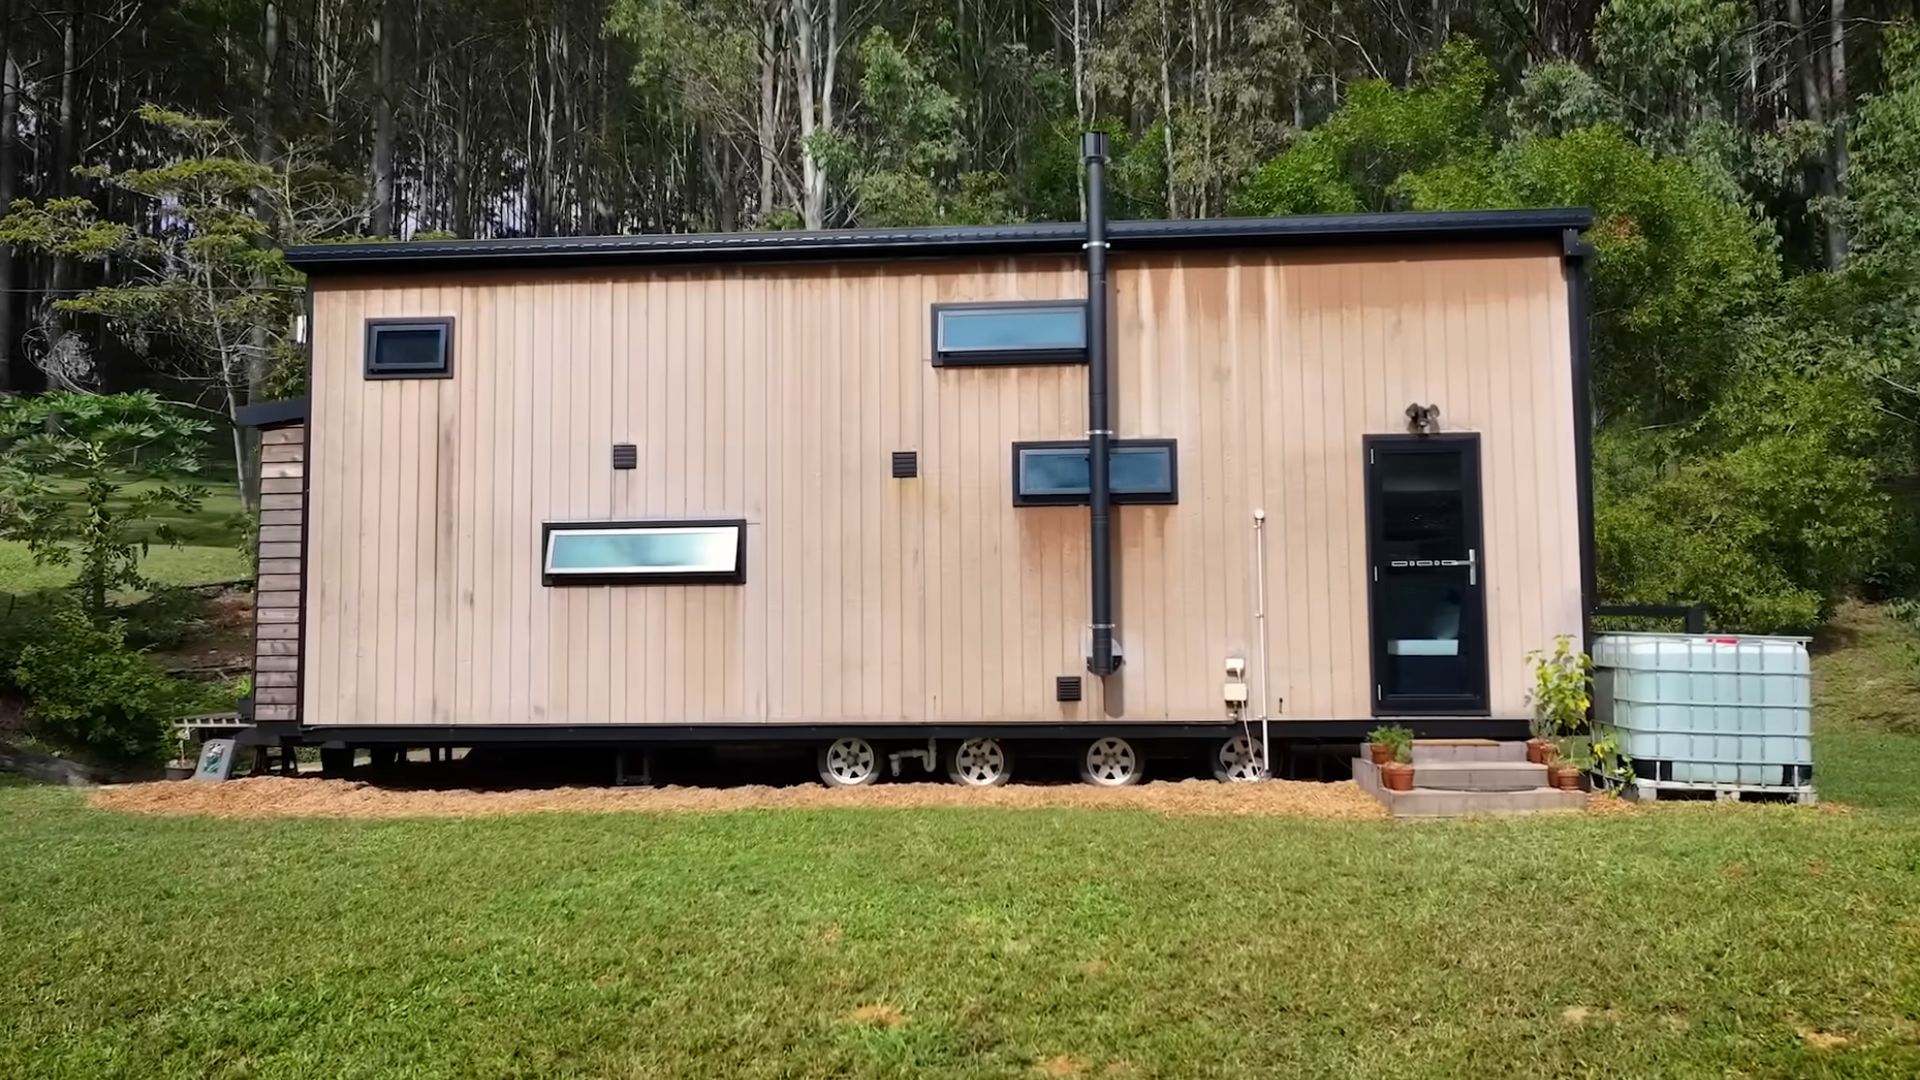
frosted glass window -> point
(665, 552)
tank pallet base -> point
(1682, 791)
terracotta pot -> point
(1536, 748)
(1565, 777)
(1382, 752)
(1396, 776)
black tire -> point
(1112, 761)
(336, 761)
(849, 762)
(971, 762)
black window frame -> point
(376, 327)
(1169, 497)
(1005, 357)
(736, 576)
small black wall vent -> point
(1066, 688)
(626, 456)
(906, 464)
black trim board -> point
(1426, 727)
(1577, 265)
(281, 412)
(1311, 230)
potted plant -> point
(1566, 768)
(1397, 775)
(1561, 695)
(1382, 740)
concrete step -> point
(1479, 775)
(1436, 802)
(1428, 802)
(1426, 750)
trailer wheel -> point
(1238, 760)
(979, 763)
(848, 762)
(1111, 761)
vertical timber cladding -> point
(779, 394)
(279, 577)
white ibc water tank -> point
(1708, 709)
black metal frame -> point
(1467, 444)
(1426, 727)
(1120, 498)
(839, 245)
(1003, 357)
(736, 576)
(376, 327)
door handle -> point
(1471, 562)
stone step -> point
(1479, 775)
(1425, 750)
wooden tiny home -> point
(833, 486)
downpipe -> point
(1093, 148)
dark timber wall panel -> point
(277, 597)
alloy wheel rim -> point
(851, 760)
(1240, 759)
(980, 761)
(1111, 761)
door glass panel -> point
(1430, 645)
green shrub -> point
(89, 694)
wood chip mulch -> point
(299, 797)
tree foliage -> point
(105, 446)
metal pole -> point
(1260, 620)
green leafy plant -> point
(1562, 689)
(127, 453)
(89, 694)
(1403, 752)
(1394, 735)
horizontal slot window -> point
(645, 553)
(1060, 473)
(409, 348)
(1013, 332)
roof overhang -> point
(1327, 230)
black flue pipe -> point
(1093, 147)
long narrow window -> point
(1059, 473)
(644, 552)
(1010, 332)
(409, 348)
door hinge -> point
(1376, 573)
(1370, 458)
(1376, 692)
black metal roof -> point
(395, 257)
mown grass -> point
(1739, 940)
(208, 551)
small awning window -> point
(644, 553)
(1060, 473)
(1010, 332)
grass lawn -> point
(1709, 941)
(209, 550)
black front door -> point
(1426, 575)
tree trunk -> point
(382, 220)
(814, 26)
(9, 183)
(1813, 105)
(263, 208)
(1837, 111)
(768, 131)
(60, 281)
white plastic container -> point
(1709, 710)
